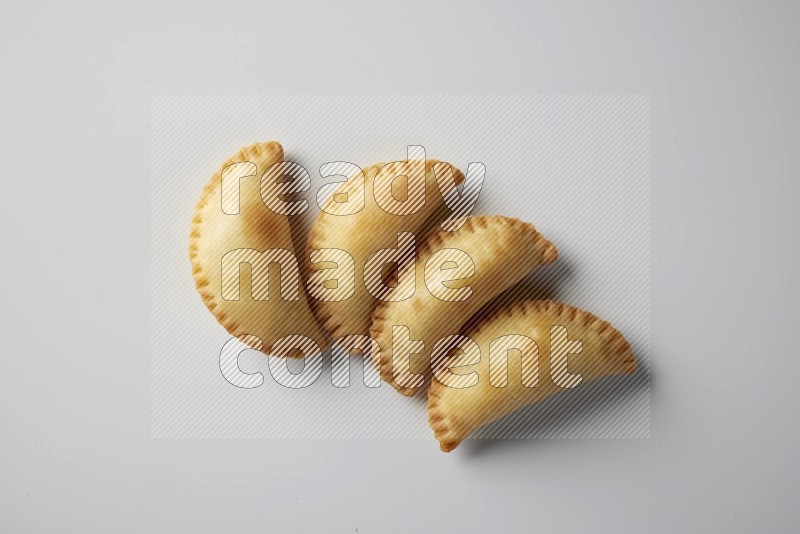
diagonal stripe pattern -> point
(576, 166)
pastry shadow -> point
(300, 224)
(563, 415)
(543, 283)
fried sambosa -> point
(242, 254)
(364, 215)
(457, 273)
(521, 355)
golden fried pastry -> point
(239, 249)
(457, 273)
(521, 355)
(358, 228)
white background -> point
(76, 453)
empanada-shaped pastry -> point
(360, 218)
(521, 355)
(242, 255)
(456, 274)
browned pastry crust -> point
(363, 233)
